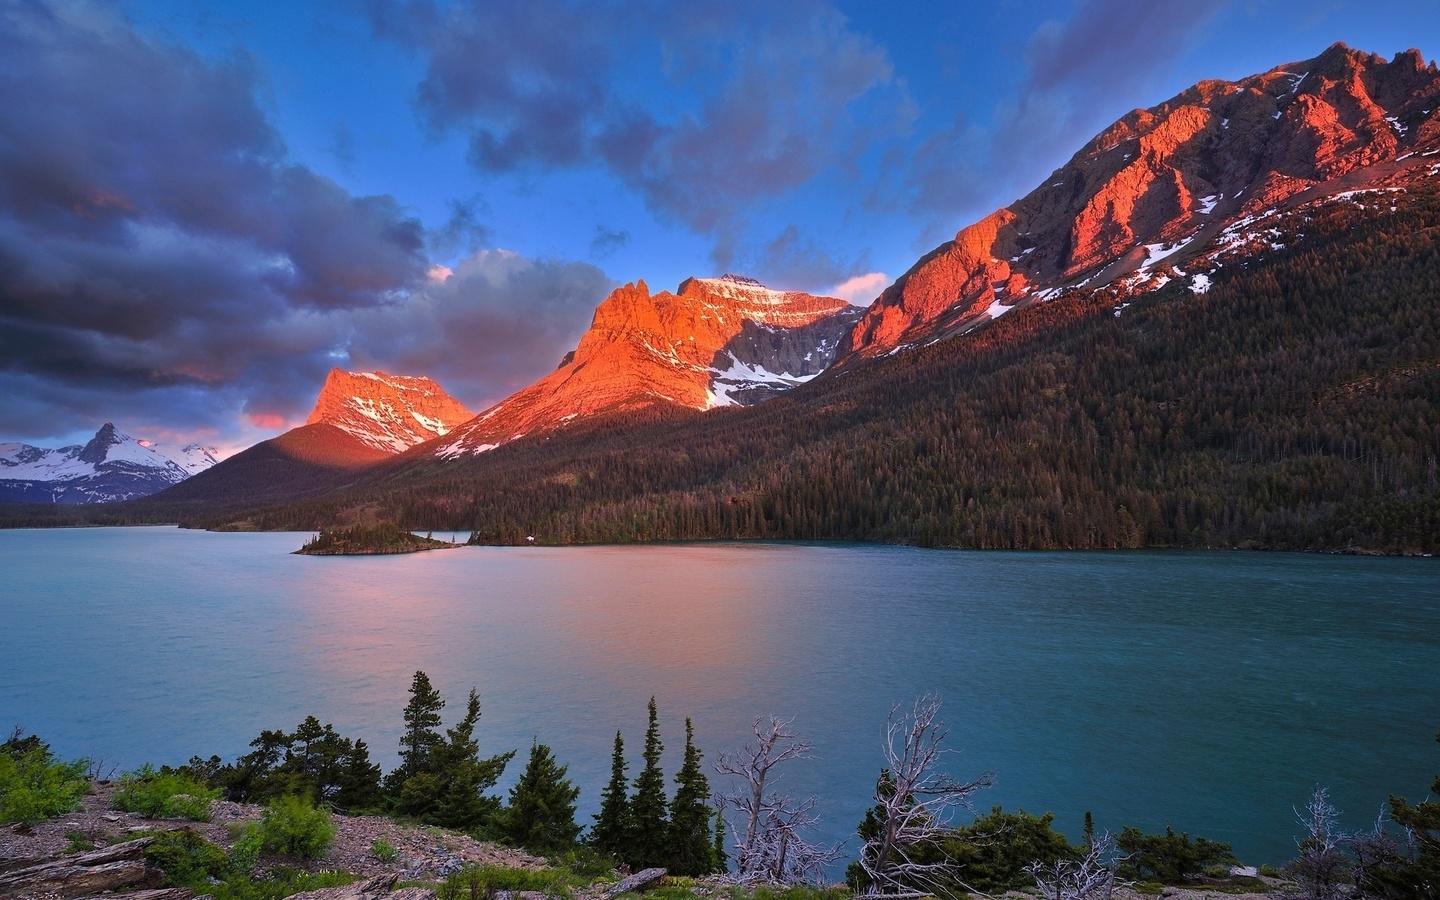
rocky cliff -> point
(714, 342)
(390, 413)
(1163, 183)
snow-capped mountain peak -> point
(110, 467)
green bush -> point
(383, 850)
(992, 852)
(35, 786)
(187, 859)
(292, 826)
(163, 795)
(190, 861)
(1169, 858)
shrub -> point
(190, 861)
(163, 795)
(992, 852)
(292, 826)
(35, 786)
(383, 850)
(187, 859)
(1169, 858)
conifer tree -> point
(358, 786)
(647, 846)
(541, 815)
(722, 859)
(422, 718)
(611, 831)
(462, 776)
(692, 849)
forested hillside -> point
(1293, 405)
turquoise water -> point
(1212, 691)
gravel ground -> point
(424, 852)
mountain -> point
(1221, 330)
(110, 467)
(390, 413)
(727, 341)
(1195, 175)
(360, 419)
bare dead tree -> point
(1092, 878)
(769, 825)
(1320, 869)
(915, 804)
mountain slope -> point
(1161, 184)
(360, 419)
(715, 342)
(110, 467)
(1294, 405)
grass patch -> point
(480, 882)
(384, 851)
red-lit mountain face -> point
(390, 413)
(714, 342)
(1171, 191)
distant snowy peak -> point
(391, 413)
(110, 467)
(713, 342)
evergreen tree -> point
(358, 785)
(541, 815)
(692, 849)
(647, 808)
(611, 831)
(722, 859)
(422, 718)
(452, 793)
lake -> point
(1212, 691)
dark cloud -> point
(766, 96)
(496, 323)
(163, 263)
(607, 241)
(342, 145)
(463, 232)
(792, 261)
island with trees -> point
(370, 540)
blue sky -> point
(205, 205)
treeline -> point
(442, 779)
(1293, 406)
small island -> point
(369, 540)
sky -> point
(207, 204)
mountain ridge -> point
(110, 467)
(714, 342)
(1214, 154)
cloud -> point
(862, 289)
(792, 260)
(1081, 73)
(497, 324)
(759, 98)
(607, 241)
(165, 264)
